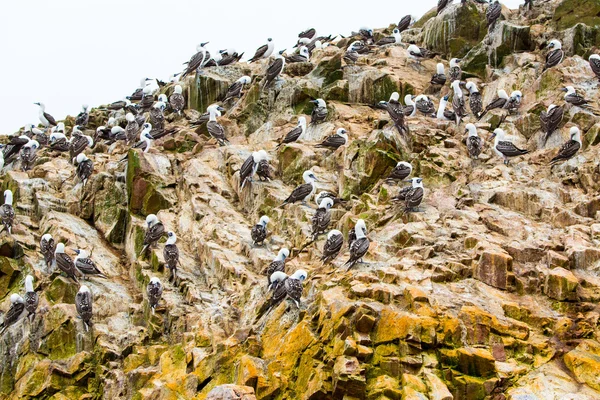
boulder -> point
(493, 269)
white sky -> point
(65, 53)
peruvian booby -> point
(572, 97)
(64, 262)
(78, 143)
(197, 61)
(47, 248)
(116, 133)
(414, 196)
(550, 120)
(139, 92)
(555, 55)
(154, 231)
(206, 116)
(263, 51)
(366, 34)
(278, 264)
(320, 221)
(264, 168)
(351, 55)
(475, 100)
(31, 298)
(171, 254)
(439, 78)
(154, 291)
(319, 112)
(492, 14)
(474, 142)
(278, 291)
(458, 102)
(145, 142)
(7, 212)
(325, 194)
(119, 105)
(275, 69)
(308, 34)
(359, 246)
(443, 113)
(235, 90)
(259, 231)
(151, 87)
(83, 304)
(250, 166)
(455, 72)
(132, 129)
(229, 56)
(410, 110)
(86, 265)
(335, 141)
(14, 313)
(505, 148)
(441, 5)
(594, 61)
(514, 102)
(40, 137)
(28, 154)
(293, 286)
(400, 172)
(157, 115)
(332, 246)
(499, 102)
(304, 191)
(295, 133)
(419, 53)
(215, 129)
(405, 23)
(177, 101)
(303, 55)
(396, 38)
(46, 119)
(14, 146)
(425, 105)
(83, 117)
(570, 148)
(396, 112)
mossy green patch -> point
(571, 12)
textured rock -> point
(493, 269)
(584, 363)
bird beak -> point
(493, 136)
(459, 60)
(564, 90)
(220, 108)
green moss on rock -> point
(571, 12)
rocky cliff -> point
(490, 292)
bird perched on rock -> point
(352, 52)
(263, 51)
(400, 172)
(293, 286)
(171, 254)
(157, 115)
(177, 101)
(154, 290)
(474, 142)
(405, 23)
(410, 110)
(264, 168)
(425, 105)
(259, 231)
(414, 196)
(458, 102)
(335, 141)
(304, 191)
(492, 14)
(229, 56)
(215, 129)
(235, 90)
(47, 248)
(594, 61)
(7, 212)
(455, 72)
(319, 112)
(514, 102)
(396, 112)
(443, 113)
(250, 166)
(572, 97)
(64, 262)
(46, 119)
(570, 148)
(303, 55)
(83, 304)
(322, 218)
(308, 34)
(132, 129)
(505, 148)
(28, 154)
(475, 100)
(295, 133)
(13, 148)
(359, 246)
(278, 290)
(396, 38)
(14, 313)
(31, 298)
(278, 264)
(366, 34)
(332, 246)
(499, 102)
(325, 194)
(197, 61)
(86, 265)
(555, 54)
(85, 168)
(439, 78)
(550, 120)
(154, 231)
(275, 69)
(78, 143)
(419, 53)
(83, 117)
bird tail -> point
(481, 115)
(144, 249)
(87, 328)
(350, 263)
(152, 310)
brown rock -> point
(584, 363)
(561, 284)
(476, 362)
(231, 392)
(493, 269)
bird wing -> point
(400, 172)
(408, 110)
(359, 248)
(474, 145)
(455, 73)
(292, 135)
(295, 58)
(258, 233)
(234, 90)
(458, 104)
(426, 107)
(493, 13)
(50, 119)
(555, 116)
(274, 69)
(386, 40)
(333, 141)
(554, 57)
(475, 103)
(438, 79)
(171, 254)
(498, 102)
(402, 193)
(87, 266)
(260, 52)
(65, 263)
(154, 233)
(300, 193)
(567, 150)
(194, 63)
(83, 303)
(318, 114)
(154, 292)
(246, 169)
(78, 145)
(13, 314)
(308, 34)
(544, 121)
(275, 266)
(177, 101)
(217, 131)
(595, 65)
(31, 301)
(509, 149)
(333, 245)
(293, 288)
(414, 197)
(264, 169)
(576, 99)
(404, 23)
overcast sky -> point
(65, 53)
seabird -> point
(414, 196)
(595, 64)
(360, 246)
(235, 90)
(264, 168)
(28, 154)
(396, 112)
(505, 148)
(308, 34)
(319, 112)
(441, 5)
(492, 14)
(78, 143)
(515, 101)
(570, 148)
(116, 133)
(396, 38)
(259, 231)
(154, 291)
(151, 88)
(458, 102)
(157, 115)
(31, 297)
(425, 105)
(171, 253)
(215, 129)
(263, 51)
(64, 262)
(366, 34)
(197, 61)
(83, 117)
(46, 119)
(7, 212)
(303, 55)
(278, 264)
(405, 23)
(60, 127)
(275, 69)
(229, 56)
(177, 101)
(40, 136)
(83, 303)
(14, 147)
(474, 142)
(145, 142)
(14, 313)
(475, 101)
(304, 191)
(419, 53)
(119, 105)
(555, 55)
(351, 55)
(499, 102)
(132, 129)
(332, 246)
(293, 286)
(206, 116)
(102, 133)
(411, 109)
(572, 97)
(154, 231)
(439, 78)
(139, 92)
(400, 172)
(324, 195)
(47, 248)
(250, 166)
(338, 139)
(322, 218)
(550, 120)
(295, 133)
(455, 72)
(86, 265)
(278, 291)
(443, 113)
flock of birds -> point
(139, 120)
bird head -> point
(327, 203)
(264, 220)
(269, 40)
(151, 219)
(309, 176)
(204, 44)
(300, 275)
(281, 52)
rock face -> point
(491, 291)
